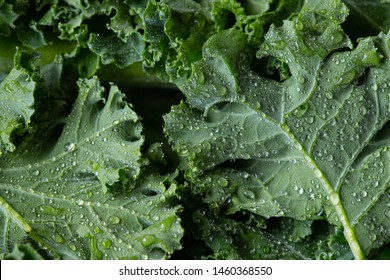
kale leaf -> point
(194, 129)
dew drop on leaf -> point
(249, 194)
(301, 79)
(97, 230)
(148, 240)
(72, 247)
(372, 237)
(69, 147)
(95, 166)
(114, 220)
(222, 182)
(106, 244)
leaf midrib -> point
(349, 232)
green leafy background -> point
(210, 129)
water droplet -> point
(95, 166)
(69, 147)
(222, 182)
(148, 240)
(372, 237)
(114, 220)
(97, 230)
(256, 104)
(220, 89)
(249, 194)
(106, 244)
(35, 173)
(280, 213)
(329, 94)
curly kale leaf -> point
(290, 148)
(55, 195)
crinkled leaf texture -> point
(299, 147)
(56, 196)
(22, 252)
(282, 133)
(7, 18)
(232, 239)
(17, 99)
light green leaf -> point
(54, 195)
(298, 138)
(282, 179)
(72, 218)
(101, 136)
